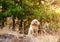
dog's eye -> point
(36, 21)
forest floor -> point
(16, 37)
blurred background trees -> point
(17, 14)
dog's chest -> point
(35, 30)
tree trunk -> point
(16, 24)
(23, 27)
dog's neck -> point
(33, 26)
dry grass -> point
(40, 38)
(48, 38)
(45, 38)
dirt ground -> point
(16, 37)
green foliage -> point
(28, 9)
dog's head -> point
(35, 22)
